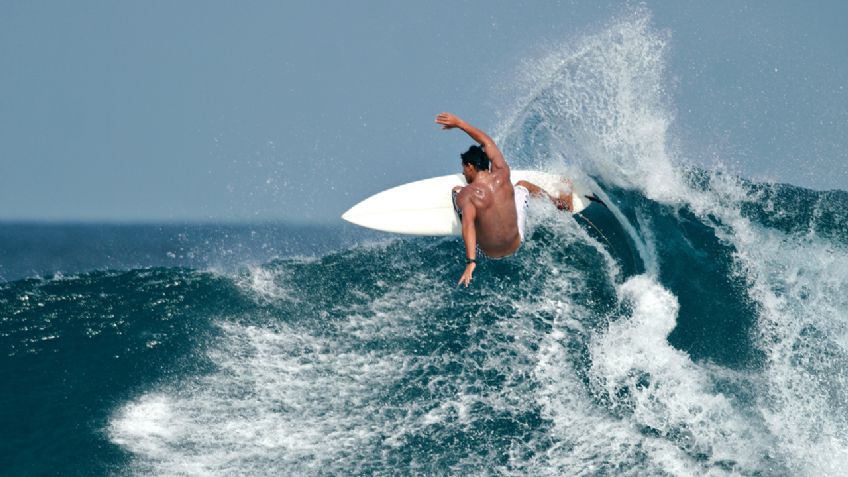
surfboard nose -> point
(357, 213)
(347, 216)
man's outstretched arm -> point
(450, 121)
(469, 236)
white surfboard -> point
(425, 207)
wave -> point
(721, 353)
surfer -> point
(492, 210)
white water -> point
(601, 103)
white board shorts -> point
(521, 203)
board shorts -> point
(522, 196)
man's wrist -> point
(469, 261)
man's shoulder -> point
(465, 194)
(475, 194)
(501, 175)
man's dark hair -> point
(476, 157)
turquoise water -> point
(714, 342)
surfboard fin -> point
(593, 198)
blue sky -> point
(293, 111)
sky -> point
(294, 111)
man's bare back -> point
(493, 197)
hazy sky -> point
(205, 110)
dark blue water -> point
(93, 313)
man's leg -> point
(561, 201)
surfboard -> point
(425, 207)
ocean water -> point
(716, 345)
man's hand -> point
(448, 120)
(466, 277)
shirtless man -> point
(493, 212)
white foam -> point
(798, 282)
(264, 283)
(542, 212)
(587, 439)
(801, 286)
(281, 400)
(600, 102)
(649, 409)
(324, 396)
(153, 419)
(287, 399)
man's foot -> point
(563, 202)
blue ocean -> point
(712, 340)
